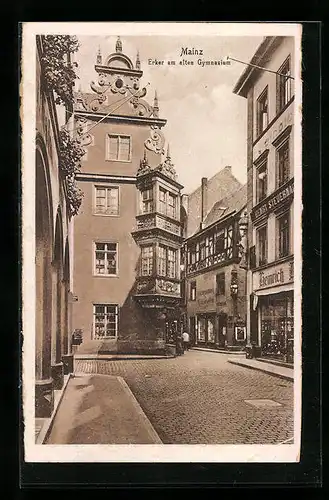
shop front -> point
(273, 305)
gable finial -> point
(156, 105)
(99, 56)
(118, 45)
(138, 62)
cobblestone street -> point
(200, 398)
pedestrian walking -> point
(179, 344)
(186, 341)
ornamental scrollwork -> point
(156, 141)
(145, 285)
(82, 137)
(145, 223)
(167, 286)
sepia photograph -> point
(161, 223)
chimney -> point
(204, 192)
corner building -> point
(127, 236)
(270, 143)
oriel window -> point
(284, 235)
(106, 259)
(167, 262)
(262, 112)
(146, 260)
(147, 201)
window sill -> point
(106, 215)
(105, 275)
(119, 161)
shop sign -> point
(273, 276)
(273, 201)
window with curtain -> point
(107, 200)
(106, 259)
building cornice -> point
(249, 75)
(105, 178)
(161, 122)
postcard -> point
(161, 235)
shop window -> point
(283, 225)
(105, 321)
(147, 201)
(118, 147)
(262, 245)
(106, 200)
(220, 284)
(262, 112)
(106, 256)
(261, 182)
(193, 290)
(284, 85)
(277, 326)
(146, 260)
(201, 330)
(283, 163)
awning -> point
(274, 289)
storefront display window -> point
(201, 330)
(277, 326)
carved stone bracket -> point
(83, 138)
(167, 286)
(156, 141)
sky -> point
(206, 122)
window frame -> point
(259, 113)
(108, 137)
(284, 144)
(150, 258)
(164, 203)
(192, 290)
(282, 102)
(116, 322)
(106, 187)
(259, 167)
(264, 260)
(166, 249)
(95, 251)
(220, 280)
(279, 218)
(149, 200)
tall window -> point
(106, 259)
(147, 201)
(193, 290)
(283, 235)
(284, 85)
(220, 284)
(262, 112)
(220, 242)
(105, 321)
(171, 207)
(261, 188)
(283, 164)
(262, 245)
(119, 147)
(167, 262)
(167, 203)
(147, 260)
(202, 250)
(107, 200)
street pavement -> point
(201, 398)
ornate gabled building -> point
(127, 236)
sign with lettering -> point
(274, 201)
(275, 275)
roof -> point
(260, 58)
(231, 203)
